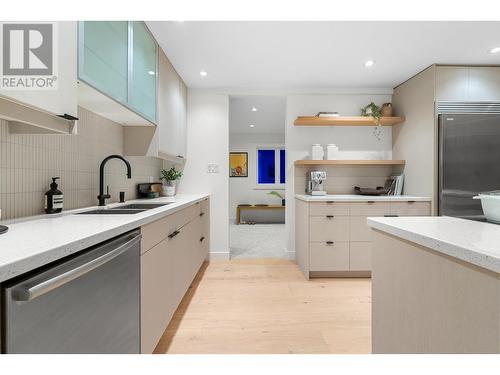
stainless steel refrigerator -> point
(469, 162)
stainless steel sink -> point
(110, 212)
(139, 206)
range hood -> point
(24, 119)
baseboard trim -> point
(290, 255)
(217, 256)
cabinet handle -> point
(329, 242)
(330, 216)
(391, 215)
(202, 213)
(202, 239)
(370, 202)
(330, 202)
(411, 202)
(173, 234)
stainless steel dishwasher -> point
(86, 303)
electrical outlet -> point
(212, 168)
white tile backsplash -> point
(28, 161)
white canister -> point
(317, 152)
(332, 151)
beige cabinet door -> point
(484, 84)
(329, 256)
(328, 208)
(452, 83)
(329, 228)
(172, 109)
(370, 208)
(360, 256)
(411, 208)
(359, 229)
(158, 301)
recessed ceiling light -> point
(151, 73)
(254, 109)
(495, 50)
(369, 63)
(203, 73)
(252, 126)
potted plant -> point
(374, 111)
(278, 195)
(169, 178)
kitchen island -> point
(435, 285)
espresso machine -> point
(316, 183)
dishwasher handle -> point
(24, 294)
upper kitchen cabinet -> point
(39, 107)
(168, 139)
(104, 57)
(464, 83)
(143, 71)
(484, 83)
(452, 83)
(118, 71)
(172, 108)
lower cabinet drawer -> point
(329, 257)
(411, 208)
(329, 228)
(155, 232)
(360, 256)
(359, 229)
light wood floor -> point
(266, 306)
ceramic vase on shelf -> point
(332, 152)
(387, 110)
(168, 189)
(317, 152)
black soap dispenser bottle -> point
(53, 198)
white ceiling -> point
(269, 118)
(297, 55)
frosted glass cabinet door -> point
(144, 71)
(104, 57)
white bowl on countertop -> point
(490, 202)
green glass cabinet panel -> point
(104, 57)
(144, 71)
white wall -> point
(243, 189)
(208, 143)
(353, 142)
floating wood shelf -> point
(346, 121)
(349, 162)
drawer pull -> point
(329, 242)
(391, 215)
(411, 202)
(370, 202)
(330, 202)
(202, 239)
(173, 234)
(201, 214)
(330, 216)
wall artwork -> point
(238, 164)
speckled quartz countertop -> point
(474, 242)
(34, 242)
(360, 198)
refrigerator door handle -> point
(24, 294)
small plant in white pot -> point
(170, 178)
(279, 195)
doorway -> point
(257, 176)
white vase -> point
(332, 152)
(317, 152)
